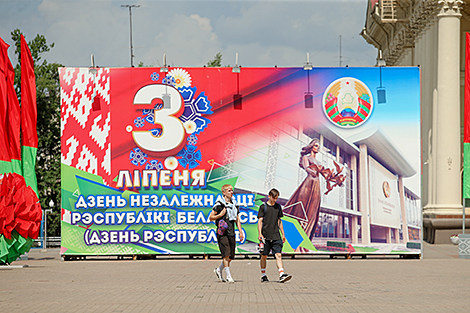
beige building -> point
(430, 34)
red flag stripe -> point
(466, 137)
(13, 115)
(4, 150)
(28, 98)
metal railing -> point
(51, 242)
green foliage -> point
(142, 64)
(216, 61)
(48, 125)
(37, 46)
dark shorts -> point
(274, 245)
(227, 246)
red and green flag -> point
(20, 210)
(29, 135)
(13, 121)
(5, 159)
(466, 141)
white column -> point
(353, 220)
(404, 219)
(354, 234)
(388, 235)
(447, 127)
(364, 194)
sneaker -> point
(218, 274)
(230, 280)
(264, 279)
(284, 277)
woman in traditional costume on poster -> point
(305, 201)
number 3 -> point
(173, 133)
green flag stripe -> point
(466, 170)
(29, 167)
(5, 167)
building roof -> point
(382, 149)
(338, 140)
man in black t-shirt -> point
(226, 210)
(269, 225)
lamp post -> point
(51, 205)
(130, 6)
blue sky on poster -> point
(190, 33)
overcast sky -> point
(190, 33)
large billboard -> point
(145, 152)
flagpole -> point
(463, 197)
(463, 201)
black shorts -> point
(274, 245)
(227, 246)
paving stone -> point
(437, 283)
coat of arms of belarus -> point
(347, 102)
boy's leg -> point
(224, 250)
(279, 262)
(262, 263)
(226, 261)
(229, 259)
(263, 260)
(277, 250)
(218, 271)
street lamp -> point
(130, 6)
(381, 95)
(237, 98)
(308, 98)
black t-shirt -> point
(218, 207)
(270, 229)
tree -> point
(48, 125)
(216, 61)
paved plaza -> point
(440, 282)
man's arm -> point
(260, 227)
(214, 216)
(240, 230)
(281, 228)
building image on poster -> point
(145, 152)
(385, 202)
